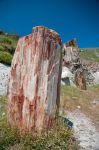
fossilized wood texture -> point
(34, 86)
(80, 79)
(71, 55)
(72, 43)
(72, 61)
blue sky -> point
(70, 18)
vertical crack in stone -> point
(34, 87)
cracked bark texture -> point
(34, 86)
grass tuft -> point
(5, 58)
(7, 47)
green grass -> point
(90, 54)
(2, 48)
(57, 138)
(70, 91)
(74, 95)
(5, 58)
(6, 39)
(7, 47)
(94, 88)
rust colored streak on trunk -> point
(34, 72)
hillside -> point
(7, 47)
(90, 54)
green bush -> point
(5, 58)
(7, 47)
(1, 48)
(5, 39)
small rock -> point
(78, 107)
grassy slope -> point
(7, 47)
(71, 97)
(91, 54)
(76, 96)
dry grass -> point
(72, 97)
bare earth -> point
(84, 113)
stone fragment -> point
(34, 87)
(80, 79)
(71, 56)
(72, 43)
(72, 61)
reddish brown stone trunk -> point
(35, 80)
(80, 79)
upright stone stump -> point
(72, 61)
(80, 80)
(34, 86)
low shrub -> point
(5, 58)
(1, 48)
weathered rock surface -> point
(34, 87)
(71, 57)
(80, 79)
(4, 78)
(92, 71)
(66, 77)
(72, 61)
(71, 43)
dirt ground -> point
(82, 108)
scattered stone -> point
(68, 122)
(78, 107)
(95, 102)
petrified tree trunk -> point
(80, 79)
(35, 80)
(72, 61)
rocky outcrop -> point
(34, 87)
(72, 61)
(71, 58)
(92, 71)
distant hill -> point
(89, 54)
(8, 44)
